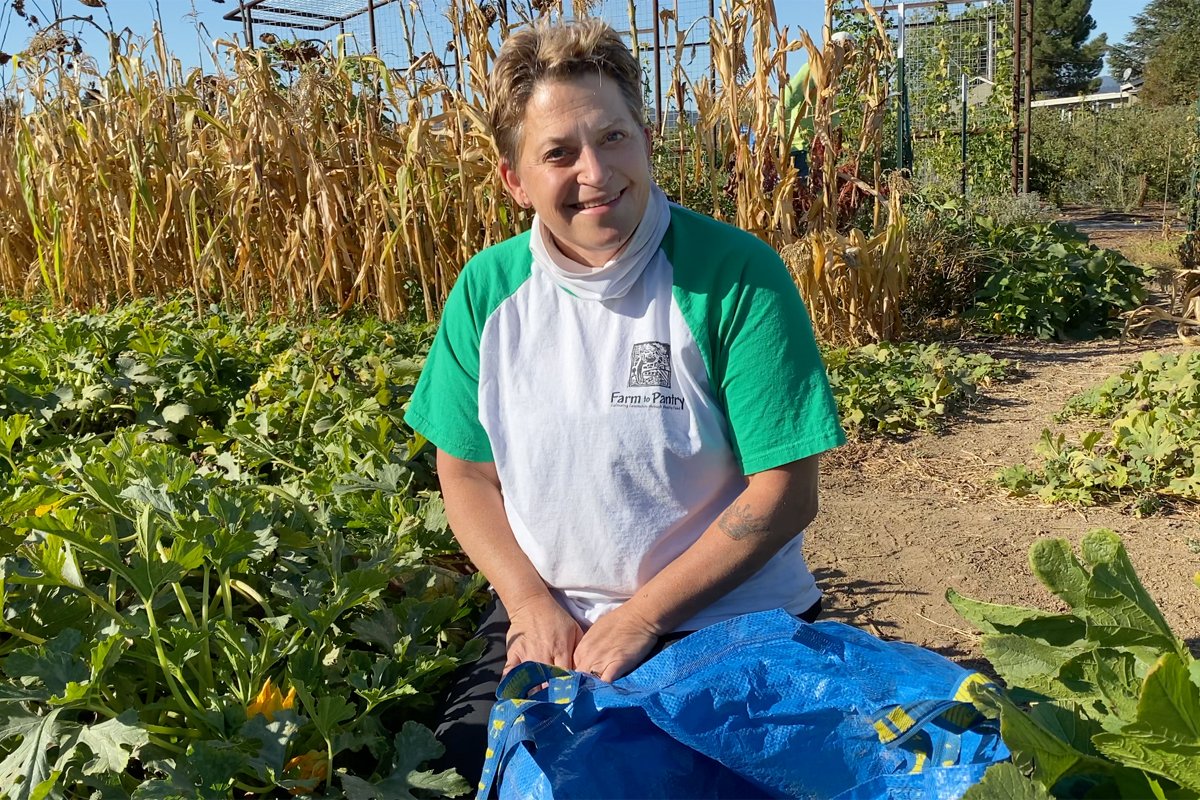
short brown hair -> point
(552, 51)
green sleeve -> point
(445, 404)
(745, 311)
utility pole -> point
(964, 88)
(1018, 35)
(901, 94)
(247, 24)
(658, 98)
(1025, 147)
(1190, 246)
(371, 27)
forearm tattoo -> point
(738, 522)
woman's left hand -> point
(615, 644)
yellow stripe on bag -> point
(920, 763)
(886, 734)
(900, 718)
(895, 723)
(964, 689)
(961, 717)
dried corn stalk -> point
(356, 185)
(853, 283)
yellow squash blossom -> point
(270, 702)
(312, 766)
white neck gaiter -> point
(614, 279)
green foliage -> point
(678, 165)
(1102, 700)
(1116, 158)
(1149, 456)
(947, 258)
(1013, 273)
(1048, 281)
(197, 510)
(1064, 61)
(898, 388)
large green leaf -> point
(1165, 739)
(414, 745)
(1116, 676)
(1170, 702)
(1140, 745)
(27, 764)
(1055, 565)
(1067, 722)
(1030, 663)
(113, 742)
(274, 738)
(1116, 598)
(54, 663)
(991, 618)
(1047, 740)
(1005, 782)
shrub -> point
(947, 260)
(1117, 158)
(1048, 281)
(1011, 271)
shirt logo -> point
(650, 364)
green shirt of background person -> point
(797, 101)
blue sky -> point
(181, 19)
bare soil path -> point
(902, 521)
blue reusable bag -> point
(762, 705)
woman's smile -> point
(599, 206)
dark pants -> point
(472, 694)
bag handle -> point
(508, 726)
(898, 724)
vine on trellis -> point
(939, 48)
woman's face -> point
(583, 165)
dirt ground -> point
(902, 521)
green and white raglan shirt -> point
(622, 427)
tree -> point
(1162, 48)
(1065, 62)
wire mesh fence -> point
(410, 36)
(943, 44)
(957, 93)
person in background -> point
(627, 400)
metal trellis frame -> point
(305, 15)
(972, 53)
(651, 27)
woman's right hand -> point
(541, 630)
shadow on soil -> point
(852, 600)
(1031, 354)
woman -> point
(627, 400)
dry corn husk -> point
(354, 185)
